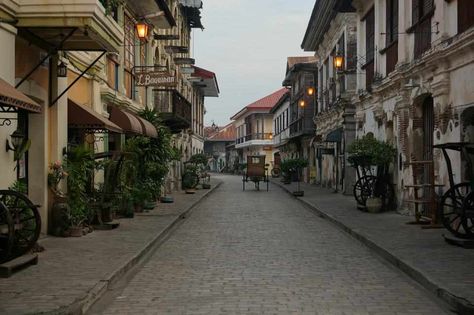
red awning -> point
(83, 117)
(148, 128)
(11, 97)
(125, 120)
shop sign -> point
(155, 78)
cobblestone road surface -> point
(263, 252)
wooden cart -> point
(256, 171)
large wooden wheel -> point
(468, 213)
(363, 188)
(453, 210)
(6, 233)
(26, 221)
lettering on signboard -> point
(161, 78)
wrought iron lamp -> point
(310, 91)
(142, 30)
(62, 70)
(17, 139)
(302, 103)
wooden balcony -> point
(174, 109)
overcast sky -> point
(246, 42)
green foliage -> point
(368, 151)
(292, 165)
(19, 186)
(80, 168)
(22, 149)
(198, 159)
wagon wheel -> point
(451, 210)
(468, 215)
(363, 188)
(26, 221)
(6, 233)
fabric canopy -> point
(132, 123)
(11, 97)
(83, 117)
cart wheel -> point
(452, 212)
(26, 221)
(363, 188)
(6, 233)
(468, 215)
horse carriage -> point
(256, 172)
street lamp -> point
(17, 139)
(142, 30)
(310, 91)
(302, 103)
(338, 62)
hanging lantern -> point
(62, 70)
(339, 62)
(302, 103)
(310, 91)
(142, 30)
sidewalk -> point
(445, 270)
(72, 273)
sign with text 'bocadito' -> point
(155, 78)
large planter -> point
(374, 205)
(75, 231)
(149, 205)
(59, 216)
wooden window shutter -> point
(427, 6)
(465, 15)
(369, 35)
(415, 10)
(395, 19)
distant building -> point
(254, 126)
(215, 146)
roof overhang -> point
(323, 13)
(192, 10)
(206, 81)
(11, 99)
(297, 68)
(155, 11)
(85, 118)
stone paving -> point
(446, 270)
(258, 252)
(71, 271)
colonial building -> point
(331, 34)
(72, 73)
(281, 129)
(254, 125)
(301, 78)
(415, 83)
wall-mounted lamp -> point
(17, 140)
(310, 91)
(302, 103)
(62, 70)
(339, 62)
(142, 30)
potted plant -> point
(285, 167)
(190, 179)
(80, 167)
(296, 167)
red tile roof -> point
(270, 100)
(227, 133)
(266, 102)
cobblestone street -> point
(257, 252)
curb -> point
(83, 304)
(461, 305)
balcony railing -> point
(255, 136)
(174, 109)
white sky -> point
(246, 42)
